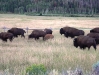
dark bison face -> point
(75, 42)
(9, 31)
(30, 36)
(62, 31)
(91, 31)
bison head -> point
(92, 31)
(30, 36)
(9, 31)
(62, 31)
(75, 42)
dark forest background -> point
(88, 7)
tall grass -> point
(58, 53)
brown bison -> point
(36, 34)
(17, 31)
(48, 36)
(48, 31)
(94, 35)
(5, 35)
(71, 32)
(95, 30)
(84, 41)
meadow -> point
(58, 53)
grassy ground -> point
(58, 53)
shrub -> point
(36, 69)
(96, 69)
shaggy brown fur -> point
(5, 35)
(71, 32)
(17, 31)
(48, 36)
(84, 41)
(48, 31)
(36, 34)
(94, 35)
(95, 30)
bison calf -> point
(48, 36)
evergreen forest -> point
(89, 7)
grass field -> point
(58, 53)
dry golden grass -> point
(58, 53)
(41, 22)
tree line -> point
(50, 6)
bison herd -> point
(80, 39)
(36, 34)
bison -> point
(5, 35)
(48, 31)
(17, 31)
(84, 41)
(94, 30)
(71, 32)
(36, 34)
(48, 36)
(74, 32)
(94, 35)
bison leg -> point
(15, 35)
(36, 38)
(22, 36)
(94, 46)
(72, 36)
(5, 40)
(88, 47)
(11, 39)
